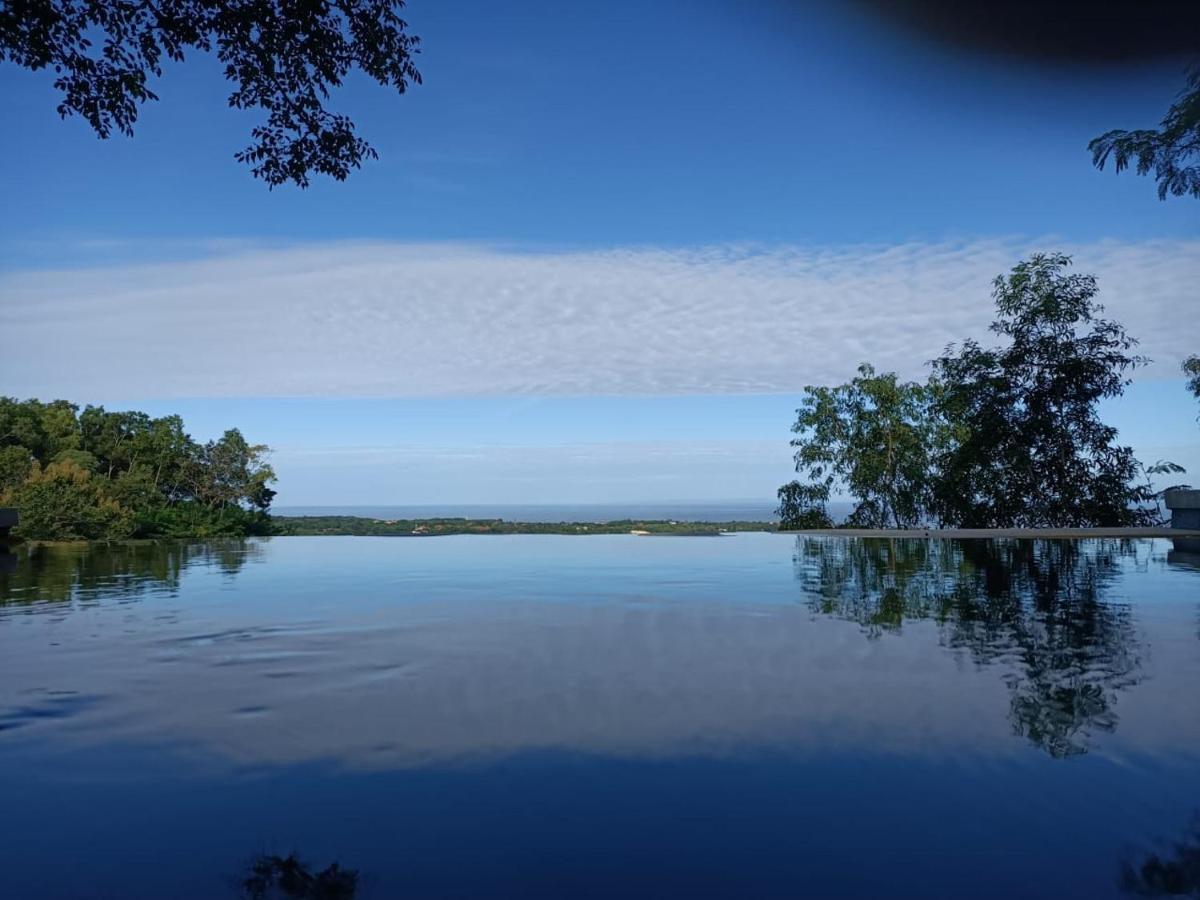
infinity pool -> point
(755, 715)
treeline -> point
(996, 437)
(100, 475)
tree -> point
(107, 475)
(65, 502)
(1191, 368)
(15, 464)
(1029, 449)
(231, 471)
(1171, 152)
(869, 437)
(112, 437)
(43, 429)
(282, 57)
(803, 506)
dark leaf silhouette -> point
(282, 57)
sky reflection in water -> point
(756, 714)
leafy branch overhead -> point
(1171, 152)
(283, 58)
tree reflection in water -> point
(287, 878)
(1038, 608)
(1175, 874)
(55, 572)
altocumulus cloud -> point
(374, 319)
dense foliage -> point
(998, 437)
(1171, 152)
(1028, 447)
(282, 58)
(870, 435)
(100, 475)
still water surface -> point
(751, 715)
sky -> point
(603, 249)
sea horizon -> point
(683, 510)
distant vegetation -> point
(100, 475)
(312, 525)
(997, 437)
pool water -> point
(754, 715)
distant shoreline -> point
(750, 510)
(367, 526)
(308, 526)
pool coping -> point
(1048, 533)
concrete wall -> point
(1184, 507)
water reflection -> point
(1037, 608)
(392, 653)
(272, 877)
(1175, 873)
(57, 572)
(609, 716)
(1185, 552)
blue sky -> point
(604, 247)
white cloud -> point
(374, 319)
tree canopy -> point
(1191, 368)
(1171, 152)
(869, 437)
(997, 437)
(282, 58)
(107, 475)
(1029, 449)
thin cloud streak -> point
(405, 320)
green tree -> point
(1029, 449)
(65, 502)
(115, 474)
(803, 505)
(282, 58)
(1191, 368)
(870, 438)
(231, 471)
(112, 437)
(15, 465)
(1171, 152)
(43, 429)
(166, 448)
